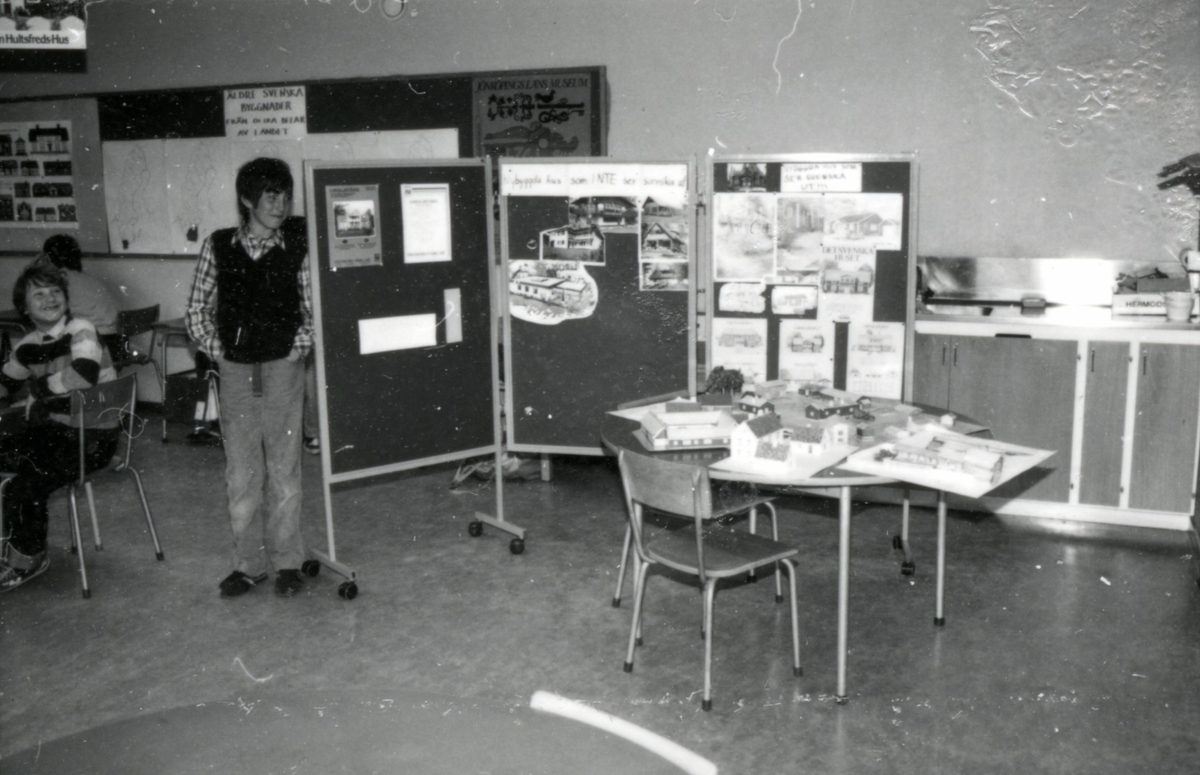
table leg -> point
(939, 617)
(843, 590)
(162, 359)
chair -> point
(707, 551)
(116, 400)
(131, 323)
(730, 499)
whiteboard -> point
(167, 196)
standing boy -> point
(250, 311)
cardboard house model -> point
(680, 430)
(757, 435)
(956, 457)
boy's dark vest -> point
(258, 302)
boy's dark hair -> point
(41, 275)
(63, 251)
(259, 176)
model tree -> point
(723, 380)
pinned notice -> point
(269, 113)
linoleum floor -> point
(1066, 649)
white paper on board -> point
(403, 332)
(452, 299)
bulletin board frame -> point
(377, 343)
(404, 288)
(598, 293)
(818, 249)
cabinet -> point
(1106, 370)
(1163, 475)
(1023, 389)
(1120, 407)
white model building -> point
(679, 430)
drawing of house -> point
(44, 140)
(540, 288)
(553, 290)
(606, 210)
(652, 207)
(858, 226)
(657, 238)
(858, 280)
(571, 238)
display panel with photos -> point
(811, 264)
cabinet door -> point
(1163, 474)
(931, 370)
(1106, 370)
(1024, 391)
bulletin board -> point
(402, 290)
(151, 172)
(598, 263)
(812, 269)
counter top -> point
(1065, 316)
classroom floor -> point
(1065, 649)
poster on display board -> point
(808, 249)
(353, 213)
(539, 114)
(581, 210)
(37, 175)
(598, 265)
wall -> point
(1039, 127)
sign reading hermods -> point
(267, 113)
(43, 35)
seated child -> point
(59, 355)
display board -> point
(402, 289)
(599, 298)
(811, 270)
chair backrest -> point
(675, 488)
(131, 322)
(664, 485)
(107, 405)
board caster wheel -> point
(517, 545)
(475, 529)
(310, 568)
(348, 590)
(907, 568)
(897, 543)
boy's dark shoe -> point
(13, 573)
(238, 583)
(288, 582)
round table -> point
(314, 733)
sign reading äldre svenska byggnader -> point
(266, 113)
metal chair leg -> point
(137, 479)
(77, 539)
(616, 601)
(87, 487)
(635, 628)
(710, 590)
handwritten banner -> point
(275, 112)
